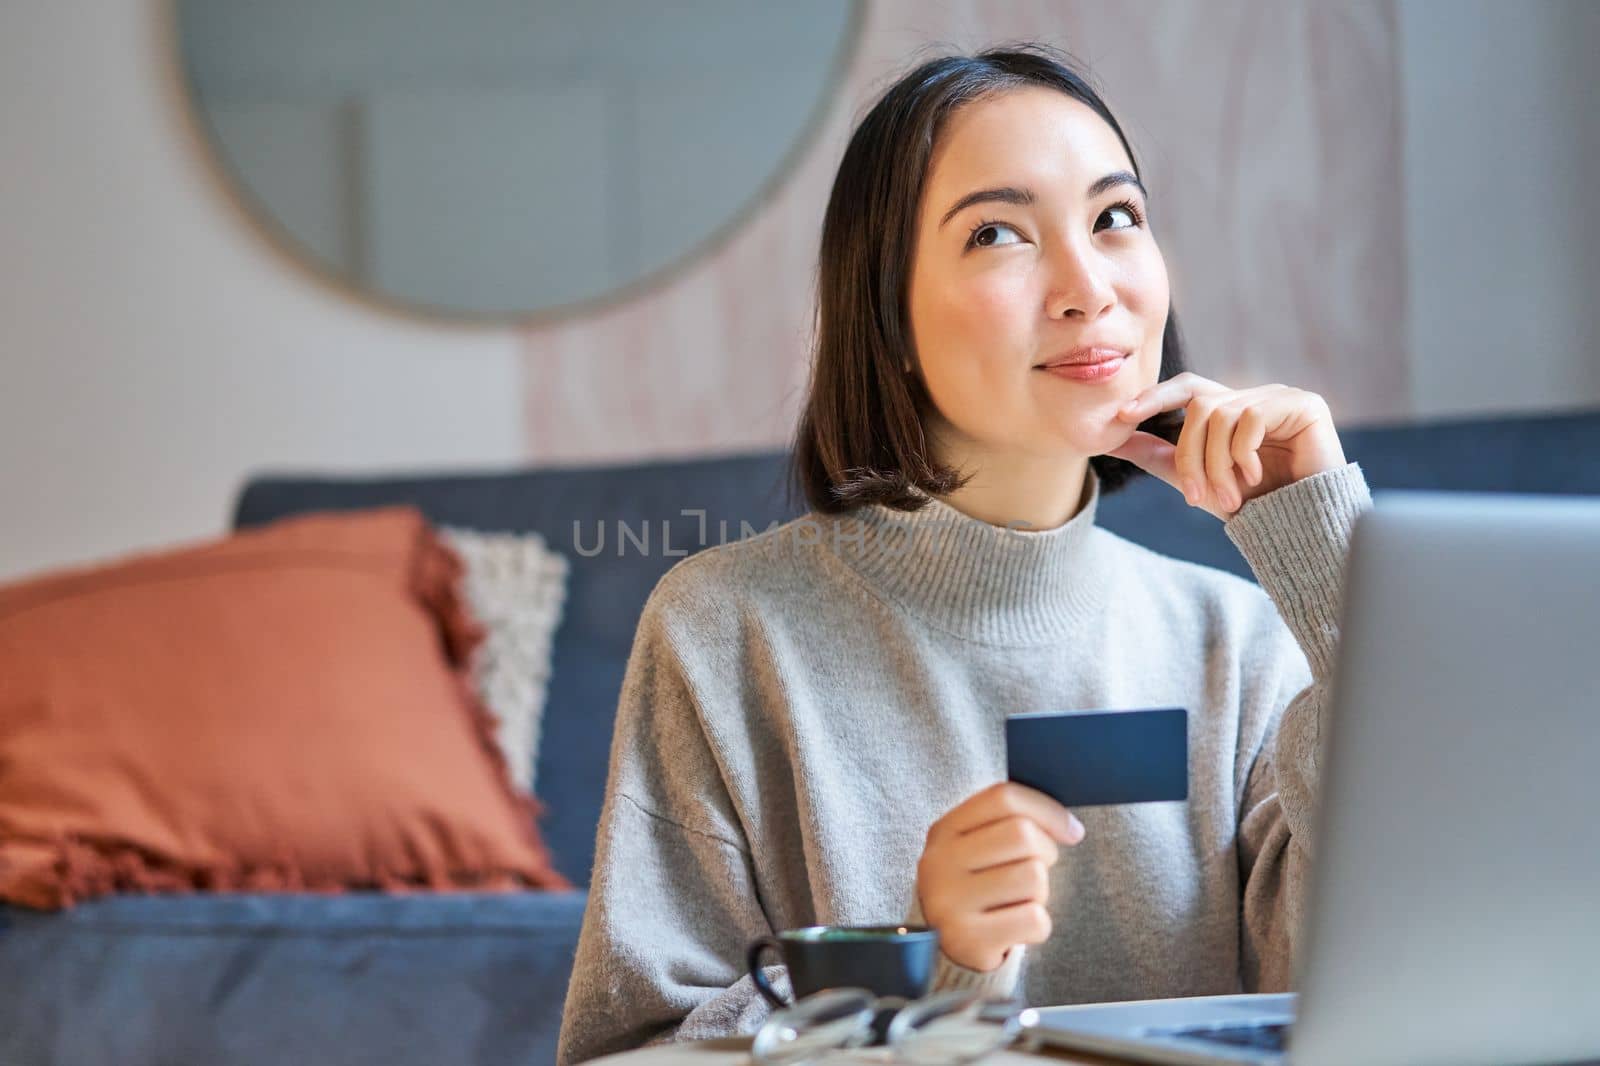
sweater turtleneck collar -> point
(988, 583)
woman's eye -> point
(983, 235)
(1127, 210)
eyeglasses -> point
(944, 1029)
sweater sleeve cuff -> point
(1000, 981)
(1296, 539)
(949, 975)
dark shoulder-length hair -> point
(860, 436)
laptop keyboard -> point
(1265, 1036)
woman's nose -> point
(1082, 283)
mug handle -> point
(753, 961)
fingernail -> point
(1188, 490)
(1075, 829)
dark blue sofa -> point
(463, 979)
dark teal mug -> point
(890, 961)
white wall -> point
(153, 349)
(1502, 145)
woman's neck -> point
(1022, 491)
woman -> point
(811, 723)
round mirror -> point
(501, 158)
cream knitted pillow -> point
(516, 586)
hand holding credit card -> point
(1101, 757)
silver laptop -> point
(1454, 911)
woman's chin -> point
(1100, 437)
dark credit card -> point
(1096, 758)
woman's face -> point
(999, 288)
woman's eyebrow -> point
(1011, 194)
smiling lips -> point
(1085, 354)
(1086, 363)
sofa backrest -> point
(623, 510)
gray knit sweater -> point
(800, 705)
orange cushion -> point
(288, 708)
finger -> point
(1176, 391)
(983, 938)
(1151, 454)
(1009, 840)
(1007, 798)
(1272, 406)
(1219, 453)
(1027, 881)
(1190, 457)
(1025, 923)
(1247, 438)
